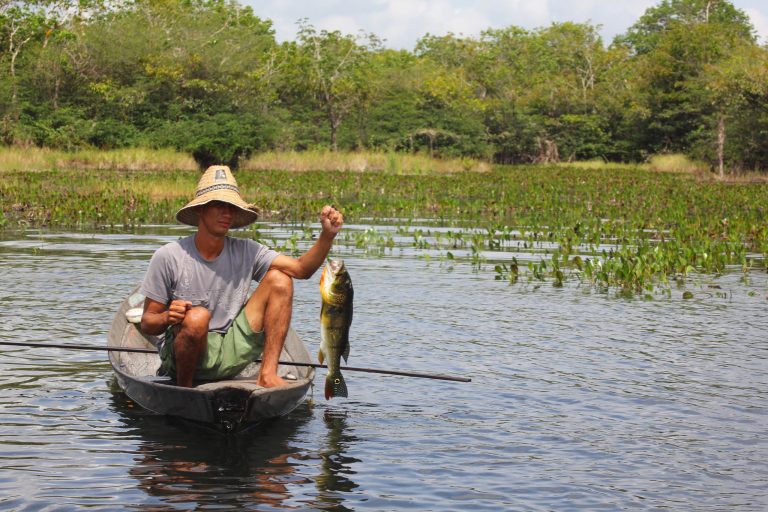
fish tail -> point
(335, 385)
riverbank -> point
(33, 159)
(143, 159)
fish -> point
(335, 319)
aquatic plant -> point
(626, 228)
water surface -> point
(579, 399)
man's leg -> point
(269, 309)
(190, 343)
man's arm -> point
(307, 264)
(157, 317)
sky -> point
(403, 22)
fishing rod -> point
(434, 376)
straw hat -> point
(217, 184)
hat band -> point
(216, 187)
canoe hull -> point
(229, 405)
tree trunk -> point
(548, 152)
(721, 146)
(14, 48)
(334, 122)
(56, 90)
(331, 123)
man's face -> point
(216, 217)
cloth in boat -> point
(178, 271)
(227, 354)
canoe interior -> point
(227, 405)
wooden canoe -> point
(228, 405)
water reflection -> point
(181, 465)
(336, 475)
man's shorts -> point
(227, 355)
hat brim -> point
(189, 214)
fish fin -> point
(345, 354)
(335, 386)
(320, 356)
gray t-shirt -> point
(178, 271)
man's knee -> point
(195, 323)
(278, 283)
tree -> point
(334, 64)
(672, 45)
(649, 31)
(543, 92)
(451, 88)
(29, 33)
(22, 23)
(738, 91)
(165, 66)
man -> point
(197, 288)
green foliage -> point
(737, 88)
(208, 77)
(335, 71)
(582, 137)
(215, 139)
(675, 45)
(671, 15)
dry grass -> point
(143, 159)
(599, 163)
(676, 162)
(132, 159)
(26, 159)
(394, 163)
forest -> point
(209, 78)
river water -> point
(579, 400)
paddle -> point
(291, 363)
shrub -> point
(112, 134)
(216, 139)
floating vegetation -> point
(630, 229)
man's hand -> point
(331, 220)
(157, 317)
(307, 264)
(177, 309)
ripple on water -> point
(578, 400)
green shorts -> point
(227, 355)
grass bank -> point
(132, 159)
(674, 163)
(143, 159)
(365, 161)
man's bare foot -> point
(270, 381)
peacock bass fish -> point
(335, 319)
